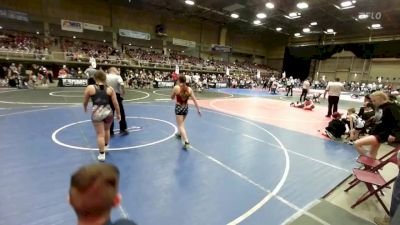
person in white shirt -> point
(333, 89)
(197, 83)
(373, 87)
(306, 88)
(115, 81)
(205, 82)
(289, 86)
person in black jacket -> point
(387, 129)
(367, 101)
(336, 128)
(367, 114)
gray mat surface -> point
(331, 214)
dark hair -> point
(392, 97)
(367, 97)
(336, 115)
(182, 79)
(93, 189)
(337, 79)
(370, 105)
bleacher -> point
(22, 46)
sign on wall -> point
(14, 15)
(134, 34)
(181, 42)
(90, 26)
(221, 48)
(70, 25)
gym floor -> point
(253, 159)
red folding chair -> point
(371, 164)
(373, 181)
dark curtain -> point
(296, 66)
(301, 56)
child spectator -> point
(356, 125)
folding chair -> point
(373, 181)
(371, 164)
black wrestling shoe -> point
(186, 145)
(124, 132)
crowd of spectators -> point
(81, 51)
(24, 76)
(177, 58)
(242, 73)
(151, 56)
(30, 45)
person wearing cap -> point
(94, 192)
(336, 127)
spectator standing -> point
(333, 89)
(289, 86)
(116, 82)
(306, 88)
